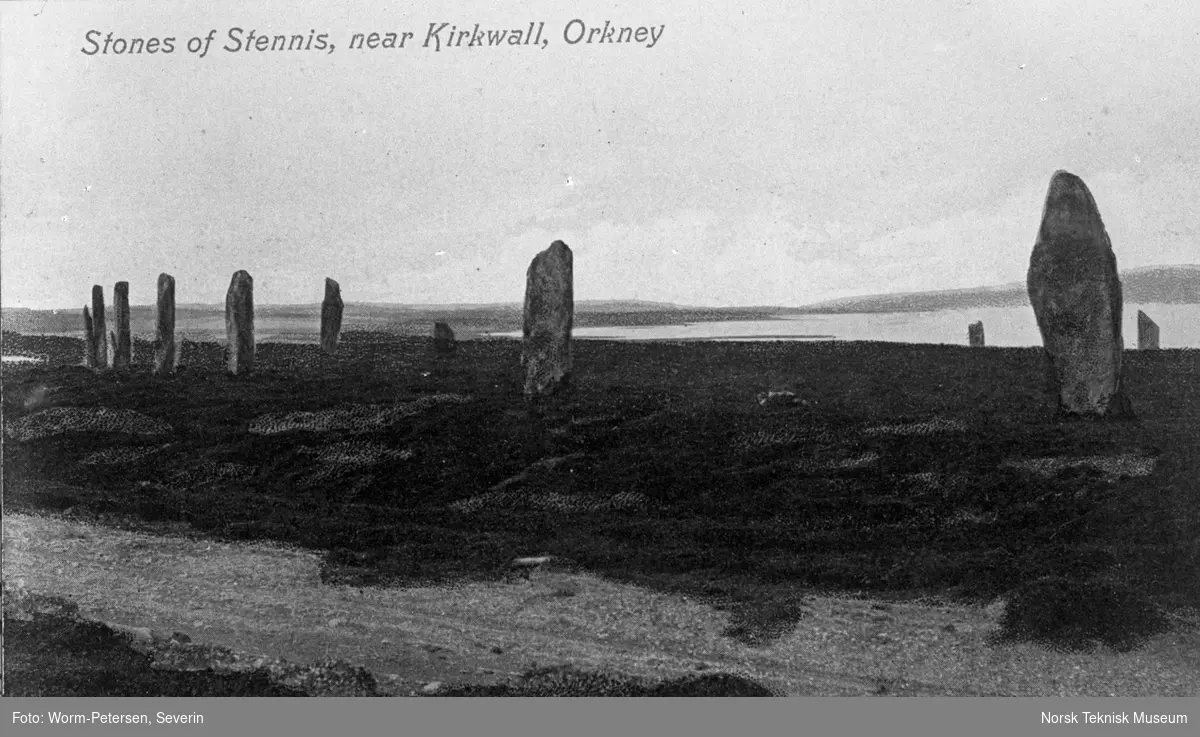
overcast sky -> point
(776, 153)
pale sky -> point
(770, 153)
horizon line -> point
(518, 304)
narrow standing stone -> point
(975, 334)
(239, 324)
(122, 340)
(331, 316)
(89, 340)
(1076, 296)
(443, 338)
(99, 329)
(1147, 332)
(549, 311)
(164, 326)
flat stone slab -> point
(113, 456)
(349, 417)
(60, 420)
(1113, 467)
(928, 427)
(833, 462)
(551, 501)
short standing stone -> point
(89, 342)
(122, 340)
(1076, 297)
(164, 338)
(239, 324)
(443, 338)
(331, 316)
(1147, 332)
(975, 334)
(549, 311)
(99, 329)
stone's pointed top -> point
(1068, 189)
(1070, 208)
(1142, 315)
(242, 275)
(558, 246)
(330, 282)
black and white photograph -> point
(831, 348)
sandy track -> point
(268, 600)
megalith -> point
(164, 326)
(99, 329)
(89, 340)
(975, 334)
(239, 324)
(1076, 297)
(549, 311)
(331, 316)
(122, 340)
(1147, 332)
(443, 338)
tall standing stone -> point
(122, 340)
(99, 329)
(89, 341)
(1147, 332)
(239, 324)
(443, 338)
(1076, 297)
(164, 326)
(549, 311)
(331, 316)
(975, 334)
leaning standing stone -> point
(122, 341)
(164, 339)
(99, 329)
(1147, 332)
(331, 316)
(239, 324)
(1076, 297)
(549, 310)
(89, 341)
(975, 334)
(443, 338)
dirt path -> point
(268, 600)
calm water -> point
(1178, 325)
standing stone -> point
(239, 324)
(164, 326)
(549, 311)
(89, 342)
(443, 338)
(122, 340)
(1076, 297)
(1147, 333)
(331, 316)
(975, 334)
(99, 329)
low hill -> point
(1151, 284)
